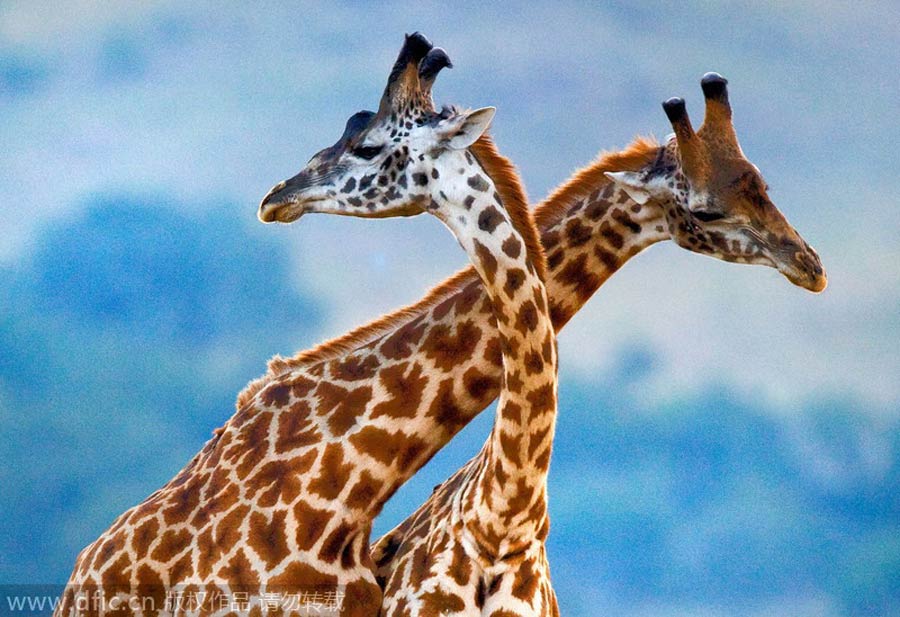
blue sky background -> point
(728, 444)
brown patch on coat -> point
(334, 473)
(447, 348)
(296, 429)
(342, 406)
(267, 538)
(311, 524)
(404, 383)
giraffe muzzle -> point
(815, 283)
(283, 204)
(285, 213)
(805, 270)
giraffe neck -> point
(496, 239)
(595, 236)
(592, 239)
(497, 251)
(504, 499)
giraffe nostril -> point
(811, 263)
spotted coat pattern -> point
(286, 491)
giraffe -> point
(495, 518)
(283, 496)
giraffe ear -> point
(632, 183)
(463, 130)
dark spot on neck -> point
(478, 182)
(489, 218)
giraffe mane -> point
(638, 154)
(512, 193)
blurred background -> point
(728, 444)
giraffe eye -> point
(367, 152)
(708, 217)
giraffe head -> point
(387, 163)
(715, 200)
